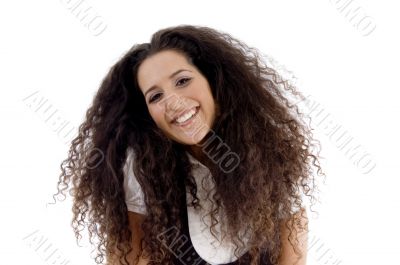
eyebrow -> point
(170, 77)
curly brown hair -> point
(257, 121)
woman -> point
(200, 157)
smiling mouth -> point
(189, 120)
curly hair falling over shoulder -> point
(255, 120)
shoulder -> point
(134, 196)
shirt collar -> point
(194, 160)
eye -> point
(153, 98)
(181, 82)
(183, 79)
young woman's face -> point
(178, 96)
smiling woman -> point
(182, 101)
(171, 117)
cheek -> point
(157, 115)
(209, 102)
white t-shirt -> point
(209, 249)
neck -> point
(198, 153)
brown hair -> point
(256, 121)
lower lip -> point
(189, 121)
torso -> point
(184, 254)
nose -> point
(174, 103)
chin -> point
(191, 138)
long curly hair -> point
(257, 121)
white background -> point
(45, 49)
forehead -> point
(159, 66)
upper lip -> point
(182, 113)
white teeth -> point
(186, 116)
